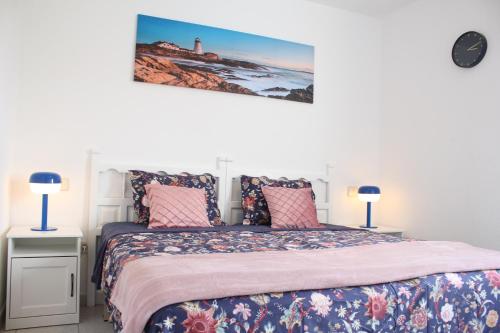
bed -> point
(448, 302)
(333, 279)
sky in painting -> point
(227, 43)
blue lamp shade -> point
(368, 194)
(45, 183)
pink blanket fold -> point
(148, 284)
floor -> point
(90, 322)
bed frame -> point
(110, 196)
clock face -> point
(469, 49)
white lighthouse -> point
(197, 46)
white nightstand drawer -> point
(43, 286)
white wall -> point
(8, 64)
(77, 93)
(8, 86)
(440, 125)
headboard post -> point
(329, 173)
(225, 189)
(91, 231)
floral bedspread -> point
(452, 302)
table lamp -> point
(45, 183)
(369, 194)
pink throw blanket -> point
(148, 284)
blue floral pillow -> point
(253, 203)
(139, 179)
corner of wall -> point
(8, 91)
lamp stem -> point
(368, 214)
(45, 207)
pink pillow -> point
(291, 208)
(176, 207)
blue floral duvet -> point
(451, 302)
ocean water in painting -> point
(261, 81)
(191, 55)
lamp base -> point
(365, 227)
(40, 229)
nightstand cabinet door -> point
(43, 286)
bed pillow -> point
(176, 207)
(139, 179)
(291, 208)
(254, 204)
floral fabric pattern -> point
(253, 203)
(452, 302)
(428, 304)
(139, 179)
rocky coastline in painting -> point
(155, 69)
(299, 95)
(166, 63)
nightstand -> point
(382, 230)
(43, 277)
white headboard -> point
(110, 198)
(233, 214)
(110, 195)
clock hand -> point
(473, 47)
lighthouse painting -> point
(197, 46)
(190, 55)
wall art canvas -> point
(197, 56)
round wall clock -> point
(469, 49)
